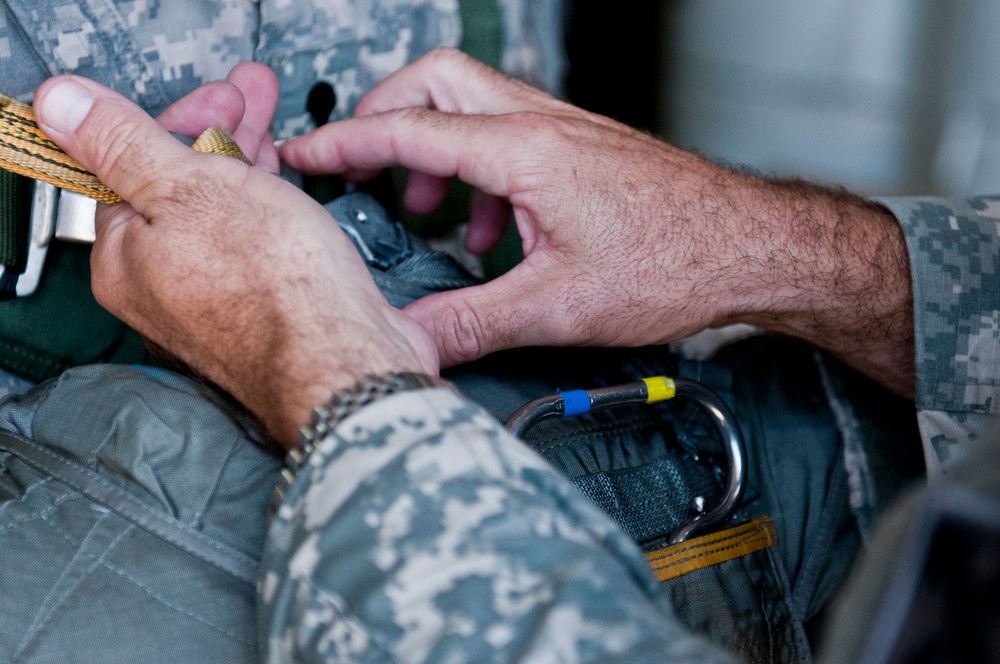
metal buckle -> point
(75, 221)
(55, 213)
(41, 229)
(722, 417)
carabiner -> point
(652, 390)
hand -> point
(235, 272)
(627, 240)
(224, 104)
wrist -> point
(326, 417)
(835, 272)
(335, 363)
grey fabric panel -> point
(81, 582)
(146, 431)
(97, 489)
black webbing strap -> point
(101, 491)
(15, 206)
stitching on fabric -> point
(756, 536)
(117, 570)
(166, 603)
(30, 356)
(66, 536)
(754, 540)
(43, 629)
(39, 515)
(809, 570)
(103, 482)
(622, 426)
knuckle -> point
(119, 148)
(553, 148)
(446, 55)
(550, 130)
(536, 121)
(164, 190)
(462, 333)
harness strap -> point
(89, 483)
(15, 206)
(701, 552)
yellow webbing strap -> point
(26, 150)
(701, 552)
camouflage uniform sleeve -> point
(420, 530)
(954, 249)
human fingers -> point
(424, 193)
(215, 104)
(230, 269)
(243, 105)
(116, 140)
(448, 80)
(260, 88)
(475, 148)
(521, 308)
(489, 218)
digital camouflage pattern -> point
(422, 531)
(954, 248)
(156, 51)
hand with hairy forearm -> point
(829, 267)
(228, 268)
(627, 240)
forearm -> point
(421, 531)
(834, 271)
(817, 263)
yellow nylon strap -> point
(216, 140)
(701, 552)
(26, 150)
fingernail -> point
(66, 106)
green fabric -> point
(482, 30)
(61, 325)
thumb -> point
(508, 312)
(108, 134)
